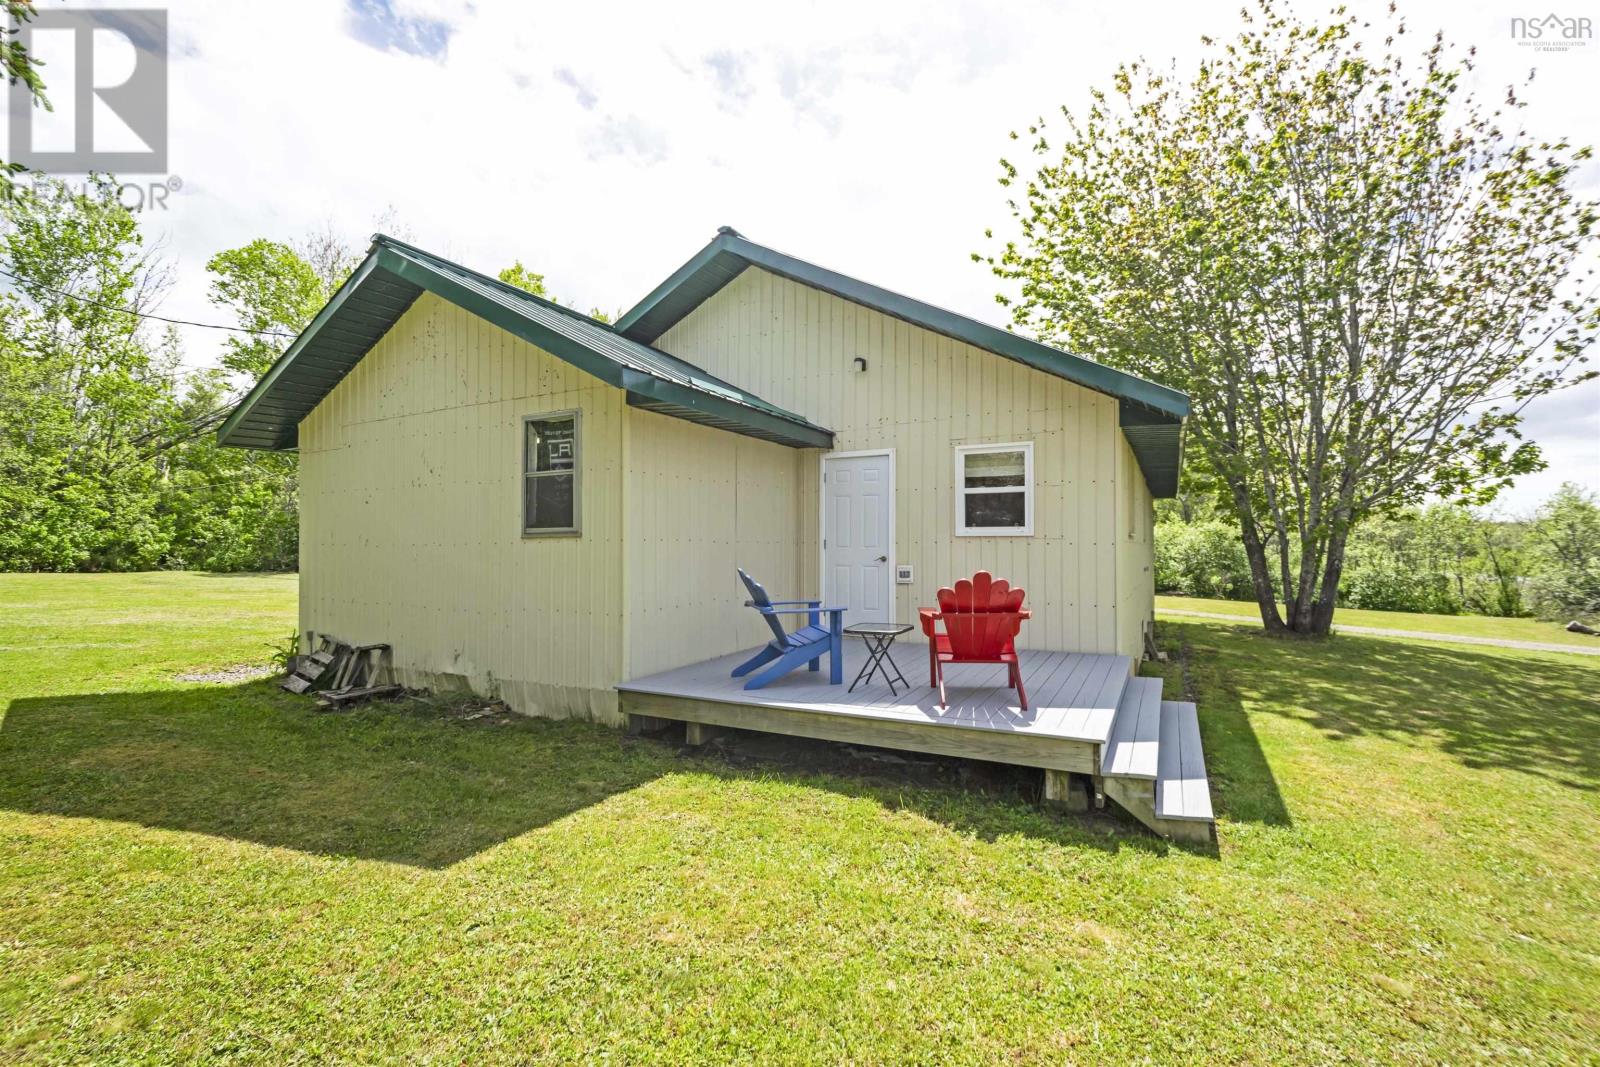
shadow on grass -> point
(1531, 712)
(1243, 787)
(404, 783)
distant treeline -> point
(108, 453)
(1443, 559)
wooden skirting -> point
(936, 738)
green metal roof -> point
(1151, 414)
(394, 274)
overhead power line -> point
(146, 314)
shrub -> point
(1204, 559)
(1388, 588)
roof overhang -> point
(1151, 414)
(390, 279)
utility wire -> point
(145, 314)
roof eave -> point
(628, 322)
(264, 385)
(564, 348)
(408, 266)
(1036, 354)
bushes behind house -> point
(1443, 559)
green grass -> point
(1549, 633)
(1408, 870)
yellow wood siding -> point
(410, 481)
(411, 497)
(1136, 560)
(700, 503)
(923, 394)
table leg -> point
(896, 667)
(879, 661)
(865, 667)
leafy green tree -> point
(20, 69)
(229, 509)
(270, 289)
(529, 282)
(525, 279)
(1564, 543)
(86, 402)
(108, 458)
(1359, 273)
(238, 509)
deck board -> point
(1072, 695)
(1130, 752)
(1181, 788)
(1087, 708)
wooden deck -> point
(1087, 715)
(1072, 701)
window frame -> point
(576, 529)
(1026, 529)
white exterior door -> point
(858, 535)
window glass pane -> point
(547, 502)
(984, 469)
(552, 445)
(996, 510)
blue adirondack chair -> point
(790, 650)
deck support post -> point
(697, 733)
(1064, 789)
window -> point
(550, 473)
(994, 490)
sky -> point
(603, 144)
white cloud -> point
(602, 144)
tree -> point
(1564, 539)
(87, 403)
(524, 279)
(270, 289)
(529, 282)
(20, 68)
(229, 509)
(1359, 273)
(240, 508)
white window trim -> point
(576, 529)
(1026, 529)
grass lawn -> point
(1550, 633)
(1409, 870)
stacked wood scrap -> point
(366, 673)
(344, 674)
(308, 670)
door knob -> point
(883, 559)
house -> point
(549, 509)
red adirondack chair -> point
(981, 620)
